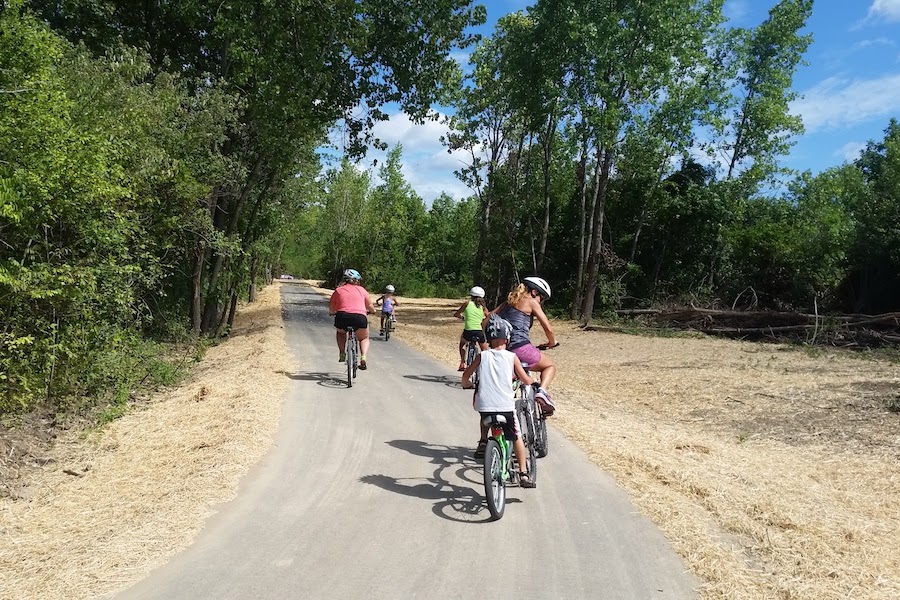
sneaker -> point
(342, 357)
(543, 398)
(479, 451)
(362, 364)
(381, 332)
(461, 367)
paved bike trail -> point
(372, 492)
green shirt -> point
(474, 315)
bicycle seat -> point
(489, 420)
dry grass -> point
(772, 472)
(110, 507)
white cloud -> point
(886, 9)
(735, 10)
(882, 41)
(427, 165)
(837, 102)
(850, 151)
(881, 10)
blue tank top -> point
(387, 305)
(521, 324)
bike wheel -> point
(527, 423)
(348, 356)
(470, 358)
(387, 329)
(494, 486)
(541, 444)
(355, 356)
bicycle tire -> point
(355, 355)
(527, 422)
(494, 486)
(387, 328)
(470, 358)
(541, 443)
(348, 357)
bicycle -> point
(388, 325)
(472, 350)
(351, 352)
(532, 419)
(500, 468)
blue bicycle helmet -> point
(352, 275)
(498, 328)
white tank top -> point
(495, 377)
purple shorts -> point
(528, 354)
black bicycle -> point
(473, 349)
(351, 352)
(531, 417)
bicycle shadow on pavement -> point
(453, 502)
(453, 382)
(324, 379)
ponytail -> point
(517, 294)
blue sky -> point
(850, 89)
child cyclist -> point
(494, 394)
(473, 312)
(387, 302)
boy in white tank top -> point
(494, 394)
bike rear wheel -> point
(387, 328)
(348, 355)
(470, 358)
(541, 444)
(525, 410)
(355, 355)
(494, 486)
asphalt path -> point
(372, 492)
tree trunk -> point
(196, 287)
(254, 268)
(582, 218)
(549, 135)
(593, 267)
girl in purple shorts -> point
(522, 306)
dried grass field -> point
(773, 472)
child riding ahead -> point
(494, 394)
(387, 301)
(473, 312)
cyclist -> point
(522, 305)
(473, 312)
(387, 302)
(350, 303)
(494, 395)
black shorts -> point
(343, 320)
(510, 429)
(474, 335)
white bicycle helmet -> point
(352, 275)
(477, 292)
(389, 288)
(536, 283)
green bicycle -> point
(500, 468)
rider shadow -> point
(451, 501)
(323, 379)
(446, 380)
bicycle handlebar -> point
(548, 347)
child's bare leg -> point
(519, 447)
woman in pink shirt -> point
(349, 304)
